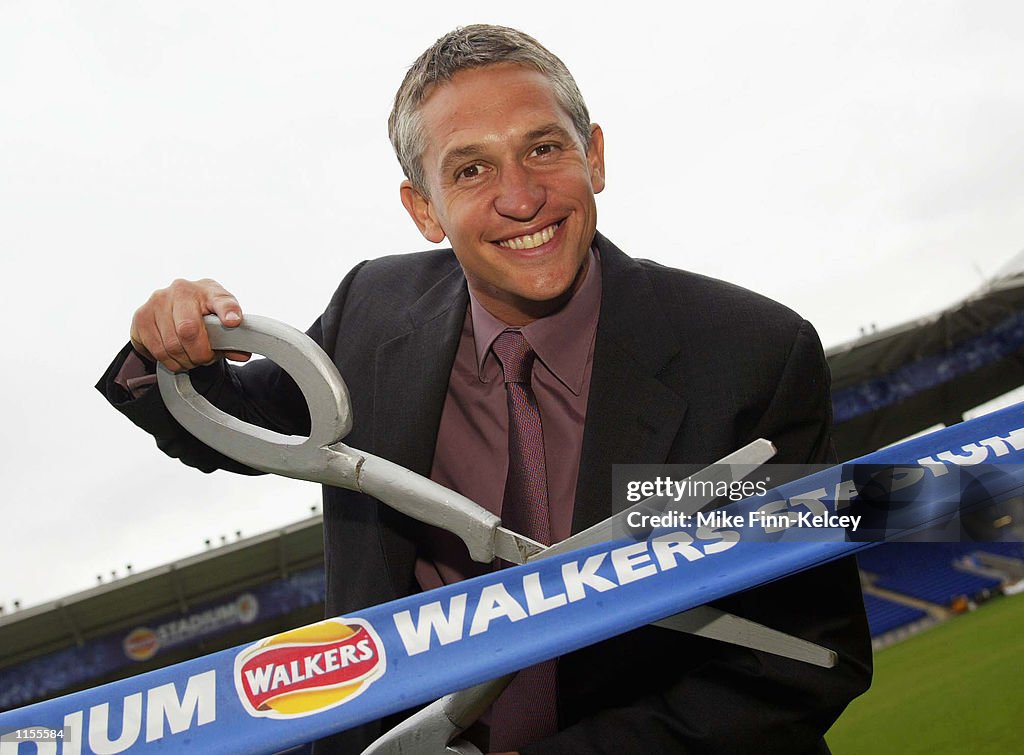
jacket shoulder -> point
(691, 301)
(402, 276)
(378, 293)
(739, 352)
(717, 303)
(722, 319)
(747, 366)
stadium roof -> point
(174, 587)
(889, 385)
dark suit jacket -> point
(686, 370)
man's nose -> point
(520, 196)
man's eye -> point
(470, 171)
(544, 149)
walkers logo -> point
(141, 644)
(309, 669)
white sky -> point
(859, 161)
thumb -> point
(214, 298)
(229, 312)
(227, 309)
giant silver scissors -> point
(322, 457)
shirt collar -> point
(562, 341)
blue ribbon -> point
(413, 650)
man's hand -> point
(169, 327)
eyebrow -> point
(457, 155)
(548, 129)
(468, 151)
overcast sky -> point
(862, 162)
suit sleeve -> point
(725, 698)
(259, 392)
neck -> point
(517, 311)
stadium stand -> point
(926, 571)
(1009, 550)
(217, 599)
(886, 615)
(910, 586)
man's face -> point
(511, 186)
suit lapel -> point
(411, 375)
(632, 416)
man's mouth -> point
(531, 240)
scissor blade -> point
(731, 468)
(513, 547)
(707, 621)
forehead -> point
(490, 105)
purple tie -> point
(525, 505)
(527, 709)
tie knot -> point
(515, 354)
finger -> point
(136, 339)
(147, 331)
(163, 304)
(186, 336)
(220, 302)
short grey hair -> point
(466, 47)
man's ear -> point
(422, 213)
(595, 157)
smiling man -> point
(508, 180)
(518, 367)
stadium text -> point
(162, 704)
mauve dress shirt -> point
(471, 454)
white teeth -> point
(530, 240)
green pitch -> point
(956, 688)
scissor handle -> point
(330, 412)
(321, 457)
